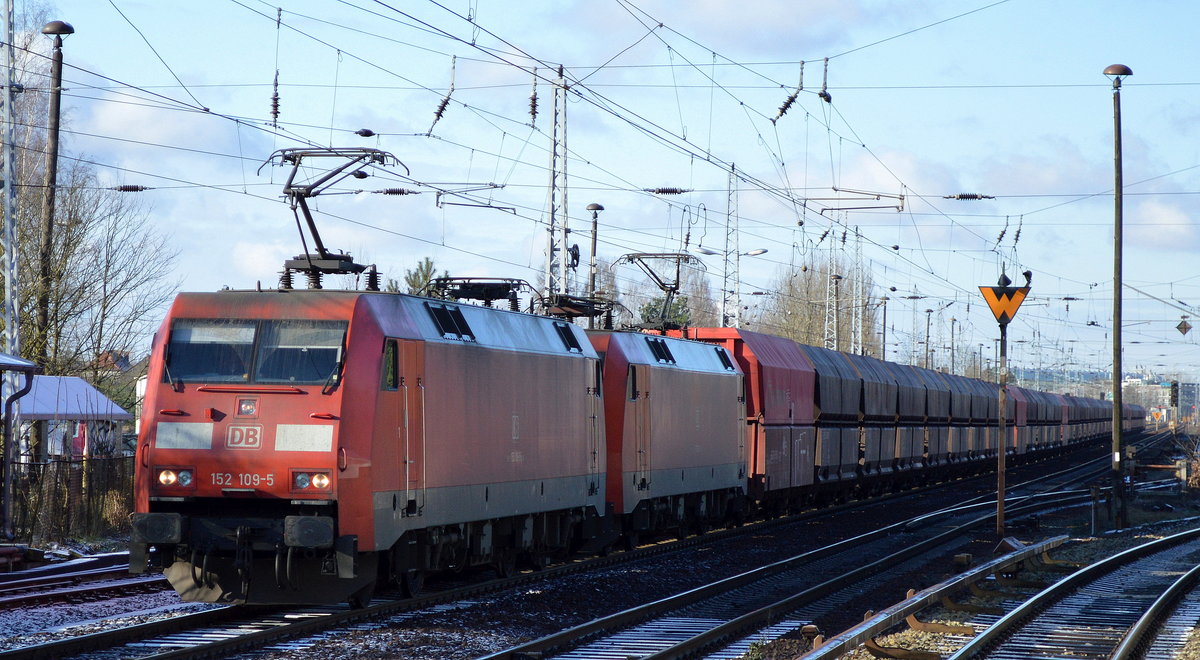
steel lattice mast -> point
(12, 342)
(731, 300)
(556, 244)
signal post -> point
(1003, 300)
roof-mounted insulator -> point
(130, 188)
(667, 191)
(396, 191)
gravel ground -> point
(37, 625)
(1149, 522)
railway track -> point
(1089, 613)
(727, 616)
(225, 631)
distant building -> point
(80, 421)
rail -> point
(851, 639)
(1010, 622)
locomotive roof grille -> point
(569, 340)
(450, 322)
(724, 357)
(661, 351)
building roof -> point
(68, 398)
(14, 363)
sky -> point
(928, 99)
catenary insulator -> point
(397, 191)
(667, 191)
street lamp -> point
(837, 311)
(1116, 72)
(45, 247)
(731, 289)
(595, 209)
(928, 315)
(58, 29)
(883, 341)
(953, 321)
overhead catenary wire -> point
(791, 197)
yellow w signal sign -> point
(1004, 300)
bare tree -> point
(110, 270)
(797, 308)
(703, 304)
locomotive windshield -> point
(242, 351)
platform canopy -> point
(68, 398)
(14, 363)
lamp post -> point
(953, 321)
(1116, 72)
(46, 242)
(46, 239)
(928, 315)
(731, 318)
(883, 341)
(595, 209)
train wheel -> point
(537, 560)
(631, 541)
(412, 582)
(506, 564)
(362, 598)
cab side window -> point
(391, 365)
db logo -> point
(244, 437)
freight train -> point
(311, 445)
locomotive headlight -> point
(310, 481)
(181, 477)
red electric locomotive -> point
(299, 446)
(675, 419)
